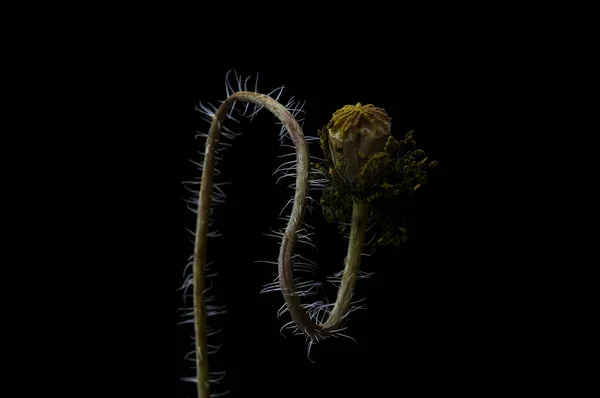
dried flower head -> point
(365, 162)
(355, 133)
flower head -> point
(356, 132)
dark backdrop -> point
(437, 306)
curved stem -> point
(288, 243)
(360, 213)
(205, 197)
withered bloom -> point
(365, 163)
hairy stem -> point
(360, 213)
(288, 243)
(300, 198)
(205, 199)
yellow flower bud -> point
(355, 133)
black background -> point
(469, 305)
(441, 311)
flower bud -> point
(355, 133)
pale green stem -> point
(360, 213)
